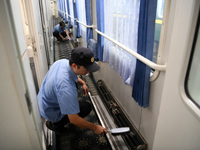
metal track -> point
(111, 116)
(116, 142)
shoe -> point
(59, 131)
(59, 39)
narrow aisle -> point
(77, 138)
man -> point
(60, 32)
(58, 98)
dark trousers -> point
(85, 109)
(56, 34)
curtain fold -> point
(77, 24)
(81, 16)
(62, 9)
(146, 28)
(84, 16)
(58, 3)
(69, 19)
(66, 16)
(71, 10)
(100, 27)
(88, 19)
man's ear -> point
(74, 66)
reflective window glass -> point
(193, 75)
(158, 24)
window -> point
(158, 24)
(121, 23)
(192, 82)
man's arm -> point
(82, 123)
(61, 36)
(67, 34)
(85, 88)
(81, 81)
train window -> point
(121, 23)
(158, 24)
(192, 81)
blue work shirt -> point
(58, 93)
(59, 29)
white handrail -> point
(91, 26)
(138, 56)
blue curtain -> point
(58, 2)
(69, 24)
(62, 9)
(88, 19)
(75, 23)
(100, 27)
(65, 3)
(77, 16)
(146, 28)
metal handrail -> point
(88, 26)
(91, 26)
(138, 56)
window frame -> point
(196, 34)
(192, 107)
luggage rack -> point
(111, 116)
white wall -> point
(18, 127)
(178, 127)
(21, 125)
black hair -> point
(71, 62)
(62, 23)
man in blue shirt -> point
(60, 32)
(58, 97)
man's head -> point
(84, 59)
(62, 24)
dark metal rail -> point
(111, 115)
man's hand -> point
(82, 123)
(100, 130)
(85, 89)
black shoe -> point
(59, 131)
(59, 39)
